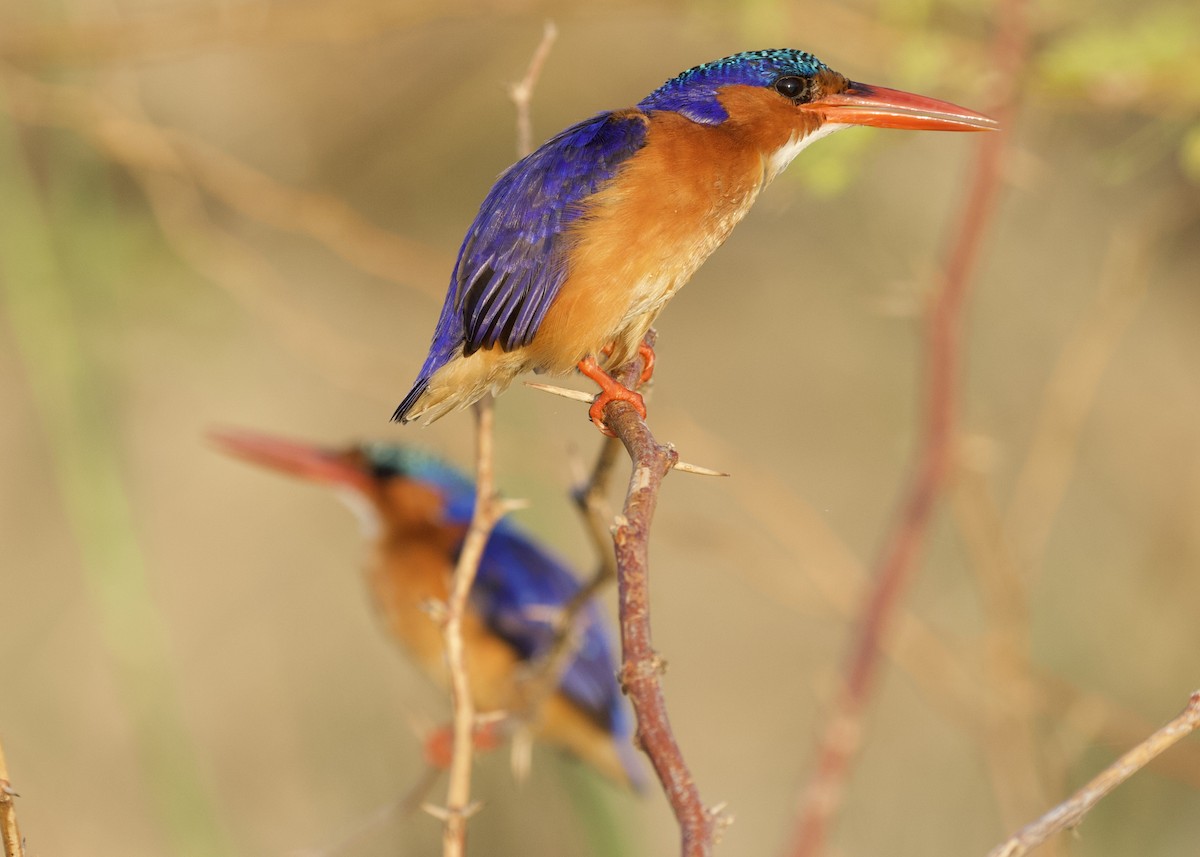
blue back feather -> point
(513, 260)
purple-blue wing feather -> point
(513, 260)
(517, 590)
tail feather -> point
(401, 413)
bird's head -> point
(793, 91)
(387, 487)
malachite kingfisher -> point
(415, 510)
(579, 246)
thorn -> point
(445, 813)
(722, 819)
(487, 718)
(435, 609)
(574, 395)
(522, 754)
(697, 469)
(504, 507)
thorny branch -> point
(1071, 812)
(840, 741)
(641, 666)
(14, 846)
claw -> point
(647, 354)
(611, 390)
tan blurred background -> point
(228, 213)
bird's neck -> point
(776, 133)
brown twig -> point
(14, 846)
(1071, 390)
(641, 666)
(489, 509)
(1071, 812)
(1009, 740)
(521, 92)
(898, 560)
(138, 144)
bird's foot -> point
(439, 745)
(647, 355)
(611, 390)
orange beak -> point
(862, 104)
(297, 459)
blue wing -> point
(518, 588)
(513, 260)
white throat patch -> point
(783, 156)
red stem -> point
(898, 560)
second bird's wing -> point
(513, 259)
(519, 590)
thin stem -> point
(521, 92)
(14, 846)
(1071, 812)
(489, 509)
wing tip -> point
(401, 414)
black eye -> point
(791, 87)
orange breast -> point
(645, 235)
(669, 208)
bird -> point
(578, 246)
(415, 509)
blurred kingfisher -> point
(580, 245)
(415, 510)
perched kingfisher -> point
(579, 246)
(415, 510)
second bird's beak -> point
(298, 459)
(863, 104)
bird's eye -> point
(791, 87)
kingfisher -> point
(579, 246)
(415, 510)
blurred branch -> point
(1070, 813)
(181, 31)
(178, 205)
(87, 469)
(1071, 390)
(521, 92)
(840, 742)
(142, 146)
(641, 666)
(1009, 743)
(14, 845)
(944, 669)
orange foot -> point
(439, 746)
(611, 390)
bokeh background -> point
(223, 213)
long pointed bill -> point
(862, 104)
(297, 459)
